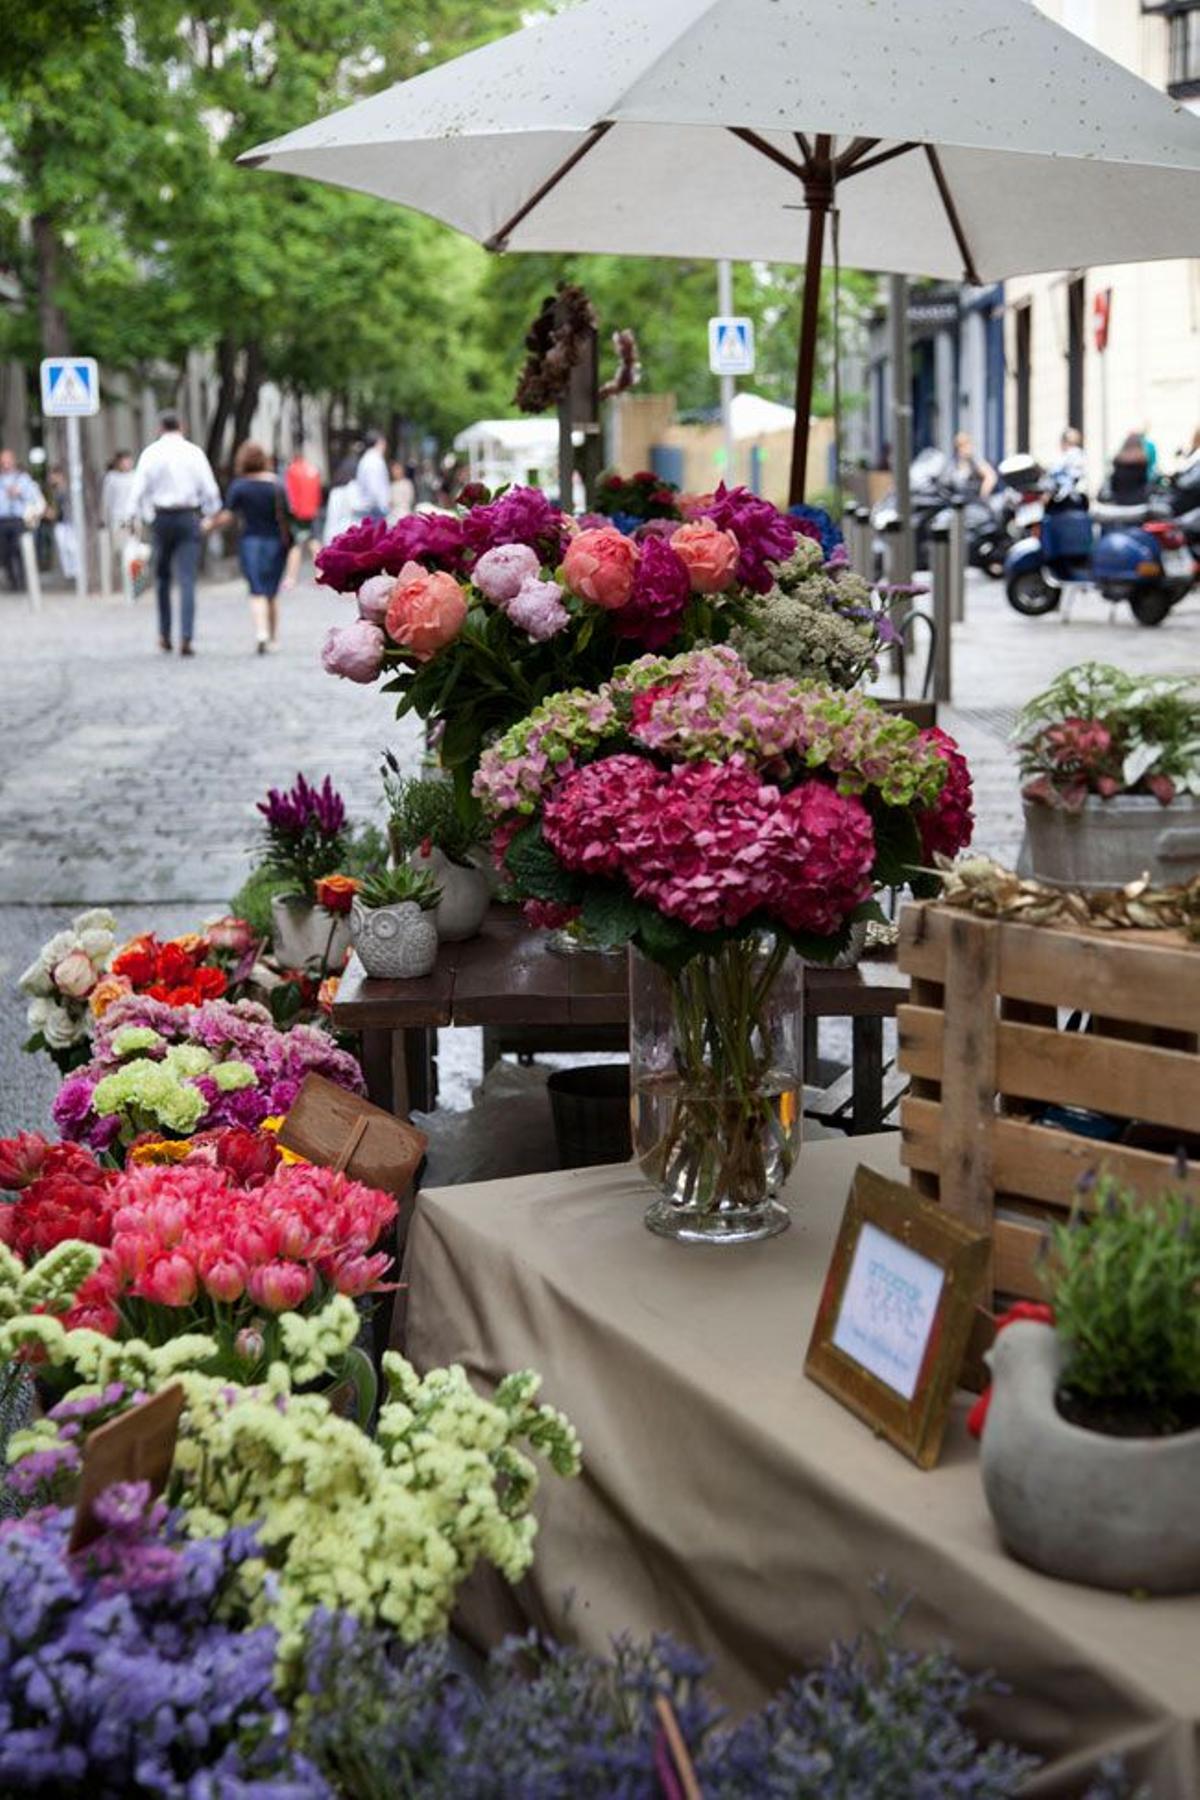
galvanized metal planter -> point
(1112, 842)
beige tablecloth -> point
(730, 1501)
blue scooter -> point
(1148, 564)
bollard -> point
(850, 535)
(940, 550)
(33, 575)
(958, 561)
(865, 566)
(104, 553)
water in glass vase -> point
(716, 1080)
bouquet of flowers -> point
(69, 969)
(474, 618)
(1097, 730)
(820, 622)
(716, 822)
(176, 1071)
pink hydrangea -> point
(947, 825)
(584, 813)
(692, 844)
(820, 850)
(537, 607)
(499, 573)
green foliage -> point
(390, 887)
(425, 812)
(1153, 722)
(536, 871)
(252, 901)
(1124, 1285)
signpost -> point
(730, 353)
(71, 391)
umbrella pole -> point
(818, 195)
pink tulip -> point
(355, 1275)
(169, 1281)
(132, 1252)
(280, 1286)
(225, 1278)
(249, 1344)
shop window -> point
(1183, 44)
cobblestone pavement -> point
(128, 778)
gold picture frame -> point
(897, 1312)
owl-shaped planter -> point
(394, 942)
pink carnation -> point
(585, 812)
(499, 573)
(947, 825)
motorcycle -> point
(1143, 560)
(987, 529)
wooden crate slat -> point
(967, 1030)
(1034, 1161)
(1089, 970)
(1014, 1259)
(1067, 1068)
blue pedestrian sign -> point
(70, 387)
(731, 345)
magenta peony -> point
(537, 607)
(599, 566)
(658, 601)
(352, 556)
(353, 651)
(499, 573)
(946, 826)
(764, 534)
(522, 516)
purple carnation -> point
(764, 533)
(661, 591)
(73, 1102)
(347, 561)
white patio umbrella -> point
(954, 138)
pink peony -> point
(585, 812)
(537, 607)
(353, 651)
(74, 975)
(709, 554)
(946, 826)
(426, 611)
(373, 597)
(599, 566)
(499, 573)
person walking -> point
(21, 506)
(373, 480)
(403, 496)
(116, 490)
(341, 504)
(302, 484)
(66, 547)
(256, 500)
(174, 485)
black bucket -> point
(591, 1114)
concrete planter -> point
(1106, 1511)
(466, 895)
(1112, 842)
(398, 942)
(300, 933)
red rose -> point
(137, 961)
(210, 983)
(174, 966)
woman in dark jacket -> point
(256, 499)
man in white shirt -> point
(373, 479)
(174, 485)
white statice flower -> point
(36, 980)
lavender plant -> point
(115, 1678)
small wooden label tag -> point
(138, 1446)
(345, 1132)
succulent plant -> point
(389, 887)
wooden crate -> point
(984, 1043)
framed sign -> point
(138, 1445)
(897, 1311)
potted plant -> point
(723, 827)
(305, 840)
(426, 829)
(1091, 1449)
(1110, 765)
(392, 924)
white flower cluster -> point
(64, 975)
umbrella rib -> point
(499, 239)
(943, 187)
(873, 162)
(853, 154)
(761, 145)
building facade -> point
(1147, 378)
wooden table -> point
(508, 980)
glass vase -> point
(716, 1081)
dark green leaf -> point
(537, 872)
(611, 913)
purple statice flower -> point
(661, 591)
(44, 1469)
(354, 555)
(116, 1676)
(765, 534)
(87, 1405)
(522, 516)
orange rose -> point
(190, 942)
(336, 892)
(425, 611)
(106, 990)
(327, 993)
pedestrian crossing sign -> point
(731, 345)
(70, 387)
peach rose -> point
(711, 555)
(108, 989)
(599, 566)
(74, 975)
(426, 611)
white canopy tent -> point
(948, 137)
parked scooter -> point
(987, 530)
(1145, 561)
